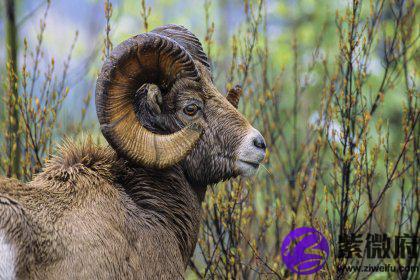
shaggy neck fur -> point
(171, 202)
(164, 197)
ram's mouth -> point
(253, 164)
(246, 168)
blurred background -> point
(333, 86)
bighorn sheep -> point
(132, 210)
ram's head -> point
(158, 107)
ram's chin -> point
(246, 168)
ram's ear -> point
(153, 97)
(233, 95)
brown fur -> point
(76, 220)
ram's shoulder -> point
(14, 226)
(12, 211)
(15, 232)
(11, 192)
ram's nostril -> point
(259, 142)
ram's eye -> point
(191, 109)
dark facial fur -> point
(224, 128)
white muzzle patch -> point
(251, 153)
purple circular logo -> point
(305, 250)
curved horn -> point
(187, 39)
(146, 58)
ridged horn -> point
(186, 39)
(146, 58)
